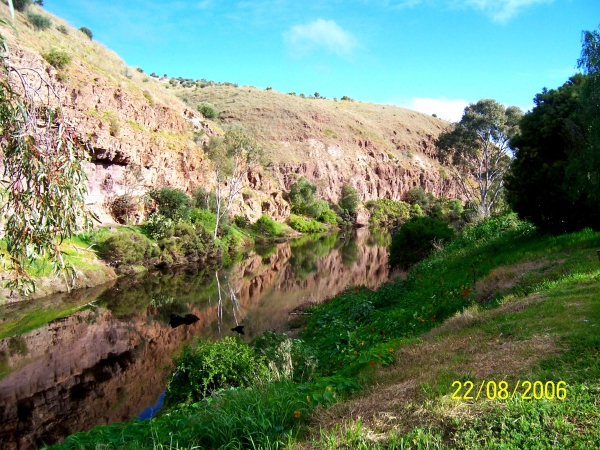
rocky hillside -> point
(135, 121)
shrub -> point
(158, 226)
(301, 195)
(125, 248)
(205, 367)
(39, 21)
(113, 127)
(204, 218)
(21, 5)
(148, 97)
(57, 58)
(328, 216)
(190, 240)
(241, 221)
(204, 199)
(87, 32)
(172, 203)
(317, 208)
(62, 29)
(414, 240)
(419, 197)
(306, 226)
(349, 199)
(123, 208)
(386, 213)
(266, 227)
(208, 110)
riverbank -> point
(481, 289)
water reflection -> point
(105, 362)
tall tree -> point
(538, 187)
(583, 170)
(233, 156)
(478, 150)
(44, 183)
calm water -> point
(105, 361)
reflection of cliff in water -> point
(106, 364)
(87, 369)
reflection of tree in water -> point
(169, 292)
(379, 238)
(266, 250)
(348, 251)
(306, 250)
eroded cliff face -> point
(139, 139)
(142, 137)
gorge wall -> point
(132, 121)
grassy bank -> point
(501, 303)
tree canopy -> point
(478, 150)
(44, 182)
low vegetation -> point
(500, 278)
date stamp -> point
(501, 390)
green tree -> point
(44, 182)
(172, 203)
(583, 170)
(537, 187)
(478, 150)
(302, 195)
(21, 5)
(349, 199)
(233, 156)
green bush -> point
(190, 240)
(158, 227)
(62, 29)
(87, 32)
(125, 248)
(414, 240)
(328, 216)
(208, 110)
(315, 209)
(241, 221)
(39, 21)
(301, 195)
(267, 227)
(172, 203)
(204, 218)
(205, 367)
(204, 199)
(386, 213)
(21, 5)
(417, 196)
(349, 199)
(57, 58)
(306, 226)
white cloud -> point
(451, 110)
(320, 34)
(499, 10)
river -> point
(105, 358)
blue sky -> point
(435, 56)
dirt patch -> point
(503, 278)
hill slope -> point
(133, 120)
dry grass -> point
(88, 56)
(292, 128)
